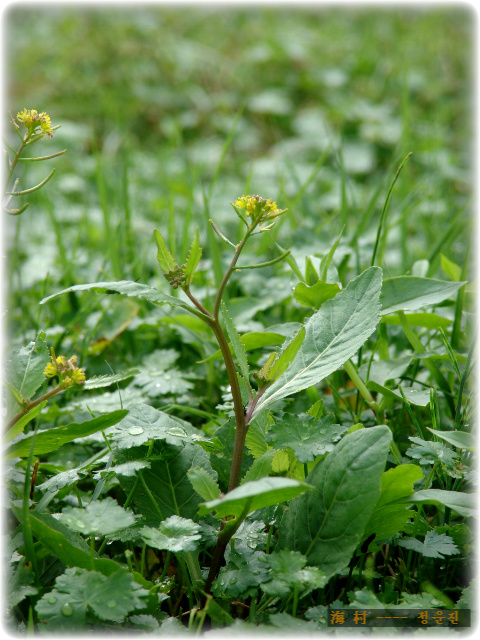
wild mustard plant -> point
(33, 127)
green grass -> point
(169, 114)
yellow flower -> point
(78, 376)
(50, 370)
(36, 123)
(259, 208)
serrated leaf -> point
(304, 434)
(459, 439)
(203, 483)
(237, 345)
(157, 376)
(254, 495)
(99, 517)
(105, 381)
(165, 259)
(435, 545)
(333, 335)
(19, 583)
(327, 523)
(60, 480)
(240, 575)
(53, 439)
(193, 259)
(174, 534)
(125, 288)
(77, 591)
(428, 452)
(24, 371)
(127, 469)
(409, 293)
(288, 571)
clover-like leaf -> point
(174, 534)
(78, 590)
(99, 517)
(242, 575)
(288, 571)
(158, 376)
(306, 436)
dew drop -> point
(255, 573)
(233, 580)
(176, 431)
(263, 559)
(52, 600)
(67, 610)
(323, 431)
(158, 385)
(135, 431)
(251, 544)
(167, 376)
(111, 604)
(79, 524)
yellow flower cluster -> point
(67, 371)
(32, 120)
(258, 208)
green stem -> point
(28, 407)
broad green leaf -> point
(451, 270)
(462, 503)
(100, 517)
(422, 319)
(380, 371)
(314, 296)
(114, 319)
(165, 259)
(409, 293)
(60, 480)
(158, 377)
(53, 439)
(255, 440)
(435, 545)
(126, 469)
(24, 371)
(105, 381)
(203, 483)
(237, 345)
(125, 288)
(418, 397)
(144, 423)
(77, 591)
(193, 259)
(286, 356)
(327, 523)
(20, 425)
(398, 482)
(304, 434)
(261, 467)
(174, 534)
(69, 547)
(333, 335)
(459, 439)
(254, 495)
(386, 518)
(164, 489)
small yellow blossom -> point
(67, 382)
(260, 209)
(34, 120)
(50, 370)
(78, 376)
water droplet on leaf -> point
(233, 580)
(176, 431)
(111, 604)
(52, 600)
(167, 376)
(135, 431)
(67, 610)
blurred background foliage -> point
(326, 102)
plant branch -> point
(29, 406)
